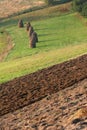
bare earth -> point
(64, 110)
(9, 7)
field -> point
(61, 37)
(53, 98)
(53, 107)
(44, 87)
(8, 8)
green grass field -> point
(60, 38)
(54, 33)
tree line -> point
(80, 6)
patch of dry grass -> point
(9, 7)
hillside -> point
(65, 110)
(53, 98)
(43, 88)
(10, 7)
(53, 26)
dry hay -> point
(31, 30)
(33, 40)
(28, 25)
(20, 24)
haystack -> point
(33, 40)
(20, 24)
(28, 25)
(31, 30)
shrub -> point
(80, 6)
(84, 9)
(77, 5)
(49, 2)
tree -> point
(80, 6)
(84, 9)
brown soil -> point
(55, 112)
(50, 99)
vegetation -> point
(41, 14)
(49, 2)
(62, 35)
(3, 41)
(84, 9)
(26, 65)
(12, 7)
(80, 6)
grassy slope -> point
(60, 38)
(26, 65)
(53, 33)
(41, 14)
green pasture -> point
(53, 33)
(26, 65)
(60, 38)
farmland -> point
(61, 37)
(42, 87)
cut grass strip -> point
(54, 33)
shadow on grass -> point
(49, 28)
(42, 29)
(48, 40)
(41, 35)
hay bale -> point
(31, 30)
(20, 24)
(33, 40)
(28, 25)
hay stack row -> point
(33, 38)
